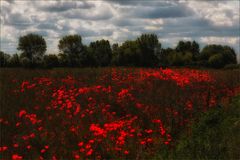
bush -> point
(232, 66)
(215, 136)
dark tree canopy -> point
(164, 57)
(4, 58)
(72, 46)
(101, 51)
(144, 51)
(32, 46)
(150, 48)
(195, 48)
(218, 56)
(128, 54)
(187, 46)
(14, 61)
(51, 61)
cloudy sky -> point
(207, 22)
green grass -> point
(216, 135)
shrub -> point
(232, 66)
(215, 136)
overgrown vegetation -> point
(118, 113)
(145, 51)
(215, 136)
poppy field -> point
(105, 113)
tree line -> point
(144, 51)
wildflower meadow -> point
(105, 113)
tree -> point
(14, 61)
(4, 59)
(176, 59)
(63, 60)
(189, 50)
(50, 61)
(195, 48)
(216, 61)
(115, 54)
(33, 47)
(225, 53)
(150, 49)
(164, 57)
(101, 51)
(25, 62)
(115, 48)
(88, 59)
(183, 46)
(187, 58)
(72, 47)
(188, 46)
(128, 54)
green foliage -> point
(180, 58)
(26, 62)
(88, 59)
(187, 58)
(165, 57)
(218, 56)
(145, 51)
(14, 61)
(195, 48)
(128, 54)
(187, 46)
(184, 54)
(32, 46)
(232, 66)
(149, 49)
(50, 61)
(101, 52)
(72, 47)
(4, 58)
(215, 136)
(216, 61)
(63, 60)
(115, 54)
(176, 59)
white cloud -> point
(220, 40)
(117, 21)
(221, 13)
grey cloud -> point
(87, 15)
(17, 20)
(39, 32)
(197, 27)
(50, 26)
(162, 12)
(123, 22)
(229, 13)
(66, 5)
(142, 3)
(93, 32)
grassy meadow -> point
(119, 113)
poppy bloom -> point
(16, 157)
